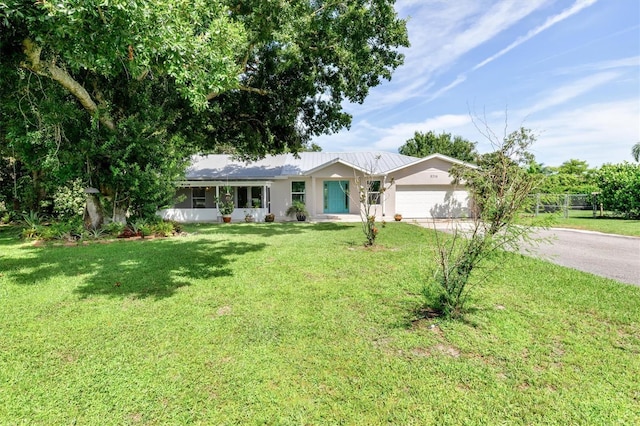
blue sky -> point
(567, 69)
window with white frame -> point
(198, 198)
(373, 191)
(298, 191)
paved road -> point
(607, 255)
(610, 256)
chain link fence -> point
(565, 204)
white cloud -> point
(365, 136)
(597, 133)
(571, 91)
(577, 7)
(572, 108)
(440, 33)
(391, 139)
(630, 62)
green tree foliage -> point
(500, 187)
(69, 200)
(620, 188)
(424, 144)
(571, 177)
(119, 93)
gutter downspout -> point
(384, 185)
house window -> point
(297, 191)
(374, 192)
(243, 198)
(249, 197)
(198, 198)
(256, 197)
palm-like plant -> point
(298, 209)
(635, 151)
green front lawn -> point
(584, 220)
(299, 324)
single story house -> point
(326, 182)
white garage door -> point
(429, 201)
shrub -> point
(114, 228)
(31, 219)
(163, 229)
(500, 187)
(145, 230)
(620, 188)
(69, 200)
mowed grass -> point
(299, 324)
(583, 219)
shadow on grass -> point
(9, 234)
(140, 269)
(265, 229)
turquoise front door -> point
(336, 198)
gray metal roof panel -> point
(224, 167)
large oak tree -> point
(121, 92)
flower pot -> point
(301, 217)
(269, 217)
(398, 217)
(226, 219)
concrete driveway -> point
(611, 256)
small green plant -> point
(297, 209)
(114, 228)
(31, 219)
(6, 216)
(33, 227)
(96, 233)
(67, 230)
(142, 227)
(163, 229)
(177, 227)
(136, 226)
(225, 203)
(29, 233)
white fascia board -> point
(332, 162)
(431, 157)
(201, 183)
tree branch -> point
(49, 69)
(262, 92)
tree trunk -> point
(93, 216)
(119, 215)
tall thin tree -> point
(635, 151)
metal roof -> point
(280, 166)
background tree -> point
(424, 144)
(620, 188)
(571, 177)
(635, 151)
(120, 93)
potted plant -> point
(225, 206)
(397, 217)
(298, 209)
(251, 214)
